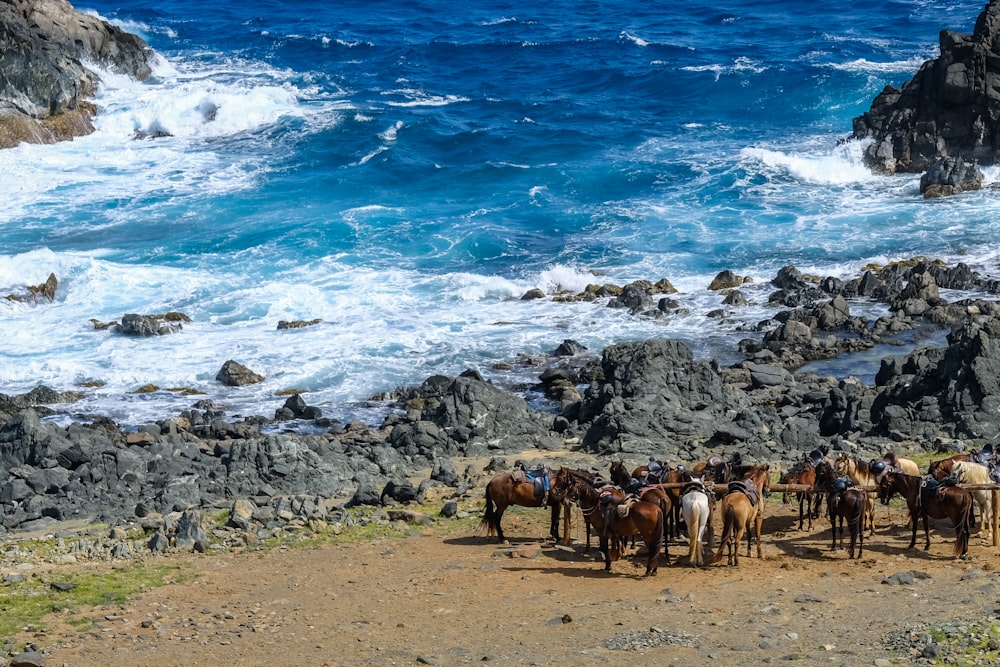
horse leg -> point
(606, 550)
(757, 525)
(554, 524)
(861, 541)
(913, 523)
(802, 498)
(927, 534)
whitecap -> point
(841, 166)
(638, 41)
(864, 65)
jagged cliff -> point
(950, 108)
(48, 56)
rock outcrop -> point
(44, 83)
(950, 108)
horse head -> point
(886, 485)
(825, 475)
(561, 484)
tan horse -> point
(737, 514)
(906, 466)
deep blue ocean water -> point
(406, 171)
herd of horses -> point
(660, 504)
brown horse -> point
(946, 502)
(843, 502)
(968, 472)
(651, 494)
(613, 519)
(739, 509)
(860, 473)
(508, 489)
(803, 473)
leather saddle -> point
(537, 476)
(932, 488)
(747, 488)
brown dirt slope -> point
(449, 597)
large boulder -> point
(656, 399)
(44, 83)
(951, 392)
(950, 176)
(951, 106)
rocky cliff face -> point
(47, 52)
(951, 107)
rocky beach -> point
(296, 469)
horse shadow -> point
(889, 540)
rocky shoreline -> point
(639, 399)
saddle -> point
(747, 488)
(933, 489)
(612, 507)
(537, 476)
(988, 457)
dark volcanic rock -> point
(133, 324)
(655, 398)
(951, 106)
(44, 84)
(235, 374)
(950, 176)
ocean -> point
(405, 172)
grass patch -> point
(26, 603)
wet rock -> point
(235, 374)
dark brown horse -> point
(651, 494)
(612, 519)
(843, 502)
(515, 488)
(946, 502)
(803, 473)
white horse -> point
(697, 516)
(967, 472)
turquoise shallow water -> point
(406, 171)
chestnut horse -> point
(651, 494)
(505, 490)
(612, 519)
(948, 502)
(843, 502)
(738, 511)
(803, 473)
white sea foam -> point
(908, 65)
(392, 132)
(740, 65)
(638, 41)
(841, 166)
(413, 97)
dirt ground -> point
(449, 597)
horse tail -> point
(489, 522)
(660, 539)
(963, 530)
(728, 528)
